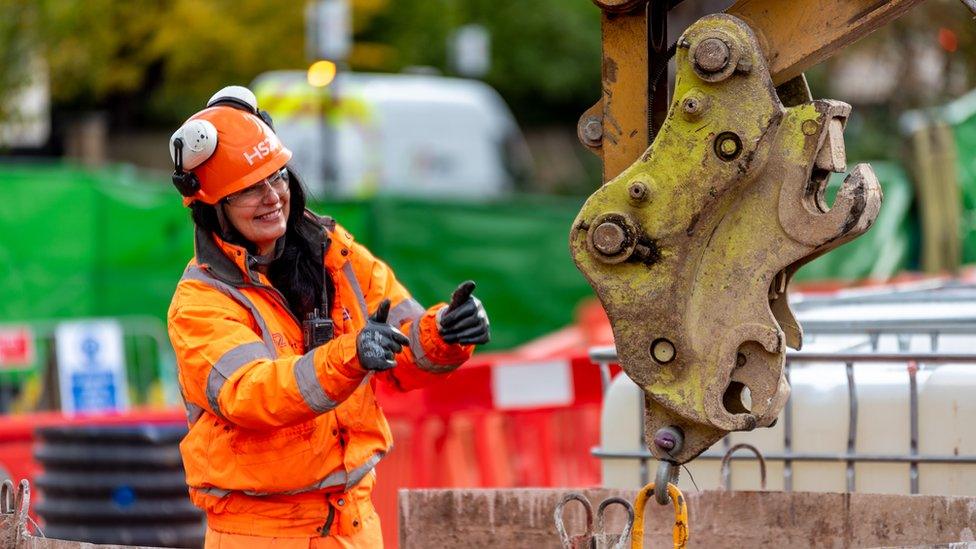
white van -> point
(403, 134)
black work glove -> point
(464, 321)
(378, 343)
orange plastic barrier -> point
(462, 432)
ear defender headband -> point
(196, 140)
(241, 98)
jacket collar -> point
(234, 265)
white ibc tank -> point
(820, 402)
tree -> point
(159, 60)
(16, 26)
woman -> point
(284, 427)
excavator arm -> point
(793, 35)
(712, 199)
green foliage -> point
(16, 22)
(157, 60)
(545, 54)
(166, 57)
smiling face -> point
(260, 212)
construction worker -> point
(282, 326)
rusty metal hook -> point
(727, 461)
(613, 541)
(7, 497)
(13, 505)
(580, 541)
(680, 530)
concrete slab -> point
(519, 518)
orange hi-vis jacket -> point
(277, 435)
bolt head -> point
(712, 55)
(728, 147)
(691, 105)
(664, 440)
(809, 127)
(637, 191)
(619, 6)
(609, 238)
(593, 130)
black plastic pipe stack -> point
(116, 484)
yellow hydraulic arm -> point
(794, 35)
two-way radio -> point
(318, 327)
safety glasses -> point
(254, 195)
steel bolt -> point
(809, 127)
(662, 350)
(609, 238)
(619, 6)
(669, 439)
(637, 191)
(694, 104)
(593, 131)
(728, 147)
(712, 55)
(665, 440)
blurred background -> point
(442, 134)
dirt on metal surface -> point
(692, 247)
(624, 102)
(523, 518)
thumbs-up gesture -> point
(378, 343)
(464, 321)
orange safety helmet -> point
(227, 147)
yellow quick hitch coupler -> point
(691, 249)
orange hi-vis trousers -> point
(368, 537)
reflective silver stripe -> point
(420, 357)
(336, 479)
(358, 473)
(238, 356)
(356, 288)
(230, 362)
(194, 272)
(408, 309)
(308, 384)
(211, 491)
(193, 412)
(366, 377)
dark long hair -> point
(298, 272)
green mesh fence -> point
(113, 242)
(961, 116)
(889, 246)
